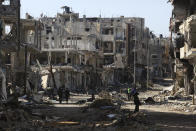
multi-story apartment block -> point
(182, 26)
(84, 52)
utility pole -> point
(148, 63)
(194, 84)
(25, 75)
(18, 26)
(135, 60)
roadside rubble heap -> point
(14, 116)
(105, 112)
(176, 93)
(174, 97)
(169, 93)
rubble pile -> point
(138, 121)
(149, 100)
(17, 114)
(13, 118)
(173, 92)
(101, 103)
(104, 115)
(114, 97)
(179, 94)
(105, 95)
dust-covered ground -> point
(161, 114)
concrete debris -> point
(81, 102)
(38, 97)
(170, 88)
(101, 103)
(180, 93)
(149, 100)
(111, 115)
(105, 95)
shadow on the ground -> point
(165, 121)
(169, 121)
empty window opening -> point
(87, 29)
(119, 47)
(97, 45)
(108, 60)
(7, 29)
(6, 2)
(154, 56)
(78, 38)
(30, 36)
(108, 31)
(69, 60)
(108, 47)
(48, 30)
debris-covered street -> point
(109, 111)
(101, 66)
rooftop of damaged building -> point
(175, 1)
(67, 11)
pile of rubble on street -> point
(104, 113)
(173, 97)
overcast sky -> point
(156, 12)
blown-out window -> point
(6, 2)
(7, 29)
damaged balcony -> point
(188, 28)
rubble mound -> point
(101, 103)
(10, 117)
(137, 121)
(105, 95)
(149, 100)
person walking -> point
(129, 93)
(60, 94)
(136, 102)
(67, 95)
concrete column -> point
(114, 42)
(49, 57)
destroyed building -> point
(159, 57)
(110, 40)
(74, 52)
(182, 26)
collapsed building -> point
(77, 53)
(159, 57)
(182, 26)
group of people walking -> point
(63, 93)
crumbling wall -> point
(3, 92)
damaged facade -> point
(182, 26)
(77, 53)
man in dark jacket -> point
(136, 102)
(60, 94)
(1, 28)
(67, 95)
